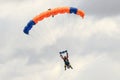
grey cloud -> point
(102, 43)
(101, 8)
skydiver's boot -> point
(71, 67)
(65, 67)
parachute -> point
(52, 12)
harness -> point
(66, 61)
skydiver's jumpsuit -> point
(67, 64)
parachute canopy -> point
(52, 12)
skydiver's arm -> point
(67, 54)
(61, 56)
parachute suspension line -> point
(36, 34)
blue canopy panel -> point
(28, 26)
(73, 10)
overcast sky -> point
(93, 42)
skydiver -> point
(66, 60)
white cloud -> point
(93, 45)
(102, 68)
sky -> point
(92, 43)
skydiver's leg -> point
(65, 67)
(70, 66)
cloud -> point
(101, 8)
(93, 45)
